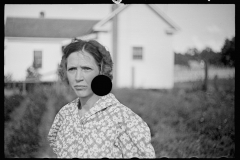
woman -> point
(93, 126)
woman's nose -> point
(79, 75)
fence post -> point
(24, 92)
(133, 77)
(205, 83)
(215, 81)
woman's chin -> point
(82, 93)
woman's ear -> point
(101, 68)
(100, 72)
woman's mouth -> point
(80, 87)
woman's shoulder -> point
(122, 108)
(128, 117)
(125, 111)
(69, 107)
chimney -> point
(42, 14)
(114, 7)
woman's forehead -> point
(82, 57)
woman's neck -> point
(88, 102)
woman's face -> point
(81, 69)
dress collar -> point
(102, 103)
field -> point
(184, 122)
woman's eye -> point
(71, 69)
(86, 68)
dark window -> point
(137, 53)
(37, 62)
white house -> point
(42, 38)
(138, 37)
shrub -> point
(10, 104)
(22, 136)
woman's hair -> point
(98, 51)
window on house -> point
(137, 53)
(37, 62)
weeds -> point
(184, 122)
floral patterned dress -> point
(108, 130)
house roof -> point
(47, 28)
(153, 7)
(67, 28)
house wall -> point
(140, 26)
(19, 56)
(105, 38)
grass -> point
(187, 122)
(184, 122)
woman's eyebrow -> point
(86, 65)
(83, 65)
(71, 66)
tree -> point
(8, 77)
(228, 53)
(206, 56)
(181, 59)
(193, 54)
(32, 74)
(213, 58)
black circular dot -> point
(101, 85)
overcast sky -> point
(201, 24)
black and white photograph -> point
(119, 80)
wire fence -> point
(184, 74)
